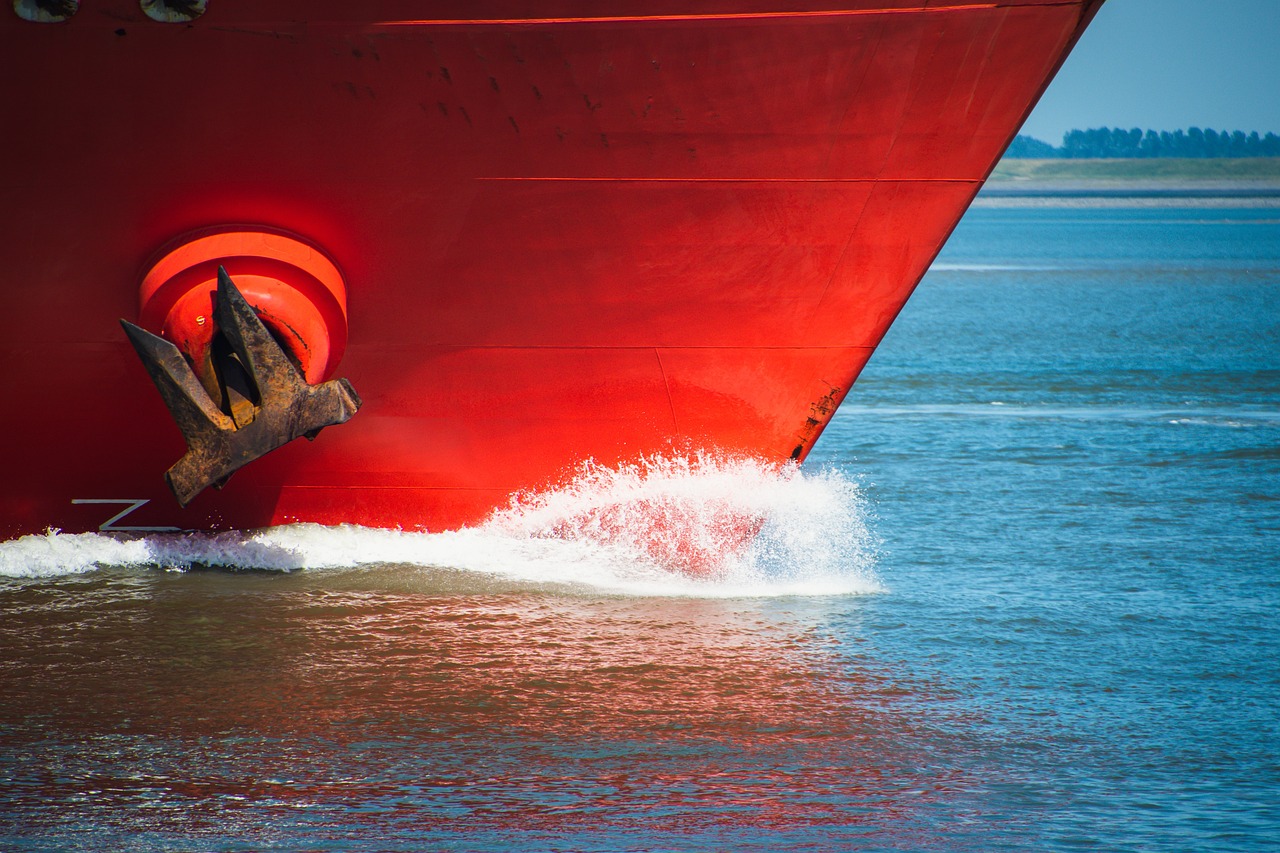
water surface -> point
(1023, 596)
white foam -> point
(664, 526)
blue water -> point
(1023, 596)
(1075, 463)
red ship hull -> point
(568, 230)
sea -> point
(1023, 596)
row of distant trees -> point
(1117, 142)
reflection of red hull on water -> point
(560, 230)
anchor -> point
(265, 400)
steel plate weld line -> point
(378, 487)
(855, 101)
(666, 383)
(740, 16)
(839, 264)
(805, 348)
(741, 180)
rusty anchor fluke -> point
(272, 408)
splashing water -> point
(705, 526)
(709, 517)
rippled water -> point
(1023, 597)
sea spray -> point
(730, 521)
(702, 526)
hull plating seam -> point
(745, 16)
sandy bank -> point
(1253, 182)
(1136, 194)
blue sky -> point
(1169, 64)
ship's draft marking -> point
(134, 504)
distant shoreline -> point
(1156, 182)
(1137, 194)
